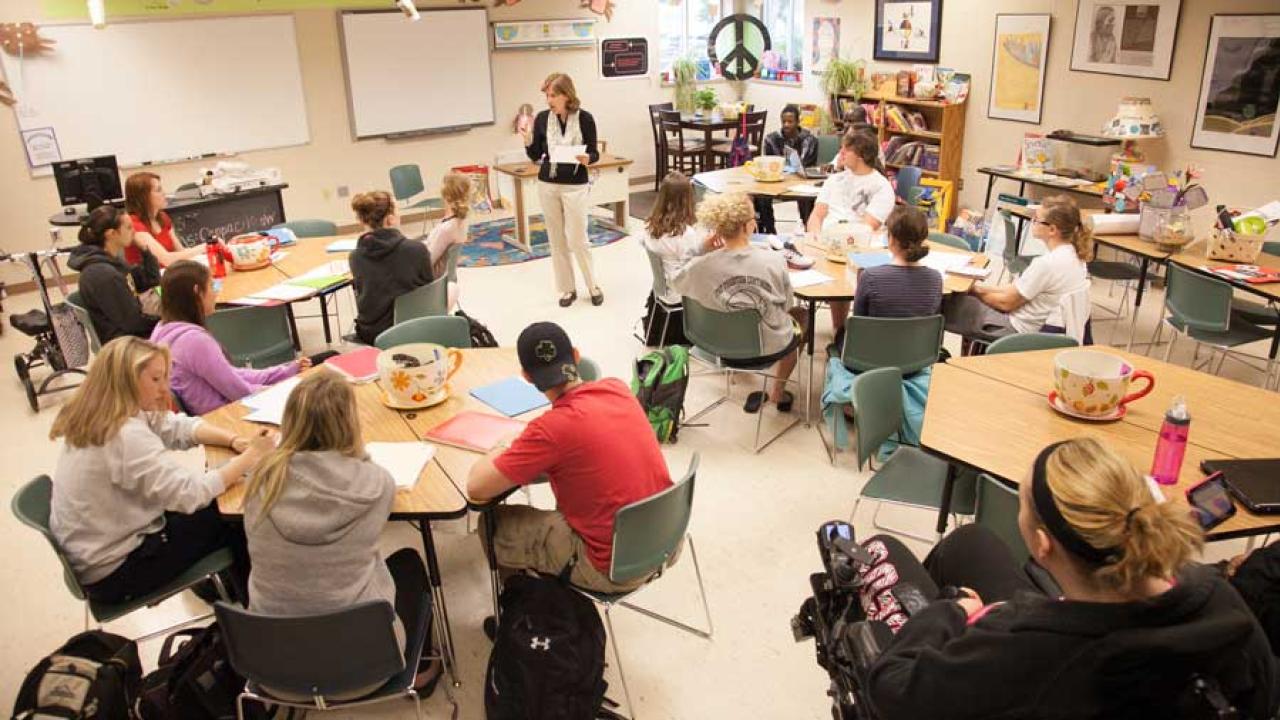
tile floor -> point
(753, 522)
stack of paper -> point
(327, 275)
(944, 261)
(268, 405)
(284, 292)
(804, 189)
(404, 460)
(805, 278)
(344, 245)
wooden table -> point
(991, 413)
(611, 186)
(738, 179)
(1023, 179)
(707, 126)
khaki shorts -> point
(527, 538)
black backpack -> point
(94, 675)
(193, 681)
(480, 335)
(547, 661)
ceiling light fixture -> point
(98, 13)
(407, 7)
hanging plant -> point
(684, 74)
(845, 77)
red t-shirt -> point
(600, 453)
(132, 255)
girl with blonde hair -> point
(455, 190)
(129, 516)
(314, 510)
(1131, 624)
(384, 265)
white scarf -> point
(572, 134)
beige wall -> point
(1079, 101)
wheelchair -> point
(60, 342)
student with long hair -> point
(203, 377)
(109, 288)
(384, 265)
(128, 515)
(455, 190)
(672, 232)
(314, 510)
(144, 200)
(1134, 621)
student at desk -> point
(144, 199)
(384, 265)
(107, 287)
(798, 140)
(455, 190)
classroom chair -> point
(310, 228)
(730, 342)
(907, 184)
(448, 330)
(949, 240)
(1026, 342)
(828, 148)
(451, 262)
(76, 303)
(679, 153)
(755, 121)
(997, 511)
(659, 151)
(659, 289)
(427, 300)
(1012, 261)
(311, 662)
(406, 182)
(31, 506)
(1199, 308)
(910, 476)
(254, 336)
(588, 370)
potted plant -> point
(684, 75)
(845, 77)
(705, 100)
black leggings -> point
(167, 553)
(410, 577)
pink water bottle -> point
(1172, 443)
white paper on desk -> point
(804, 189)
(279, 255)
(805, 278)
(272, 397)
(567, 154)
(247, 301)
(285, 292)
(1115, 223)
(404, 460)
(944, 261)
(347, 245)
(329, 269)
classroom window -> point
(785, 20)
(683, 29)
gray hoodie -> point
(317, 549)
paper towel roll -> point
(1115, 224)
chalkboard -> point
(196, 221)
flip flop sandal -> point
(753, 403)
(784, 405)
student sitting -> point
(596, 448)
(455, 189)
(145, 201)
(107, 286)
(904, 288)
(1136, 619)
(203, 377)
(858, 194)
(129, 516)
(1031, 301)
(672, 235)
(740, 276)
(313, 512)
(384, 265)
(789, 137)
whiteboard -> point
(164, 90)
(405, 77)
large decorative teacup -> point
(250, 251)
(416, 375)
(766, 168)
(1094, 383)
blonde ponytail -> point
(1061, 212)
(455, 190)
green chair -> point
(997, 510)
(828, 148)
(406, 183)
(1025, 342)
(588, 370)
(425, 301)
(659, 290)
(730, 342)
(451, 262)
(646, 536)
(910, 476)
(255, 336)
(447, 330)
(1199, 307)
(1013, 262)
(310, 228)
(907, 184)
(949, 240)
(76, 303)
(31, 506)
(1258, 313)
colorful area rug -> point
(486, 248)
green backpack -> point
(659, 384)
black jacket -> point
(566, 174)
(106, 291)
(1043, 658)
(384, 266)
(1258, 582)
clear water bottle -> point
(1171, 446)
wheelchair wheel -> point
(24, 375)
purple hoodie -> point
(202, 376)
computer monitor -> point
(93, 181)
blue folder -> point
(511, 397)
(869, 260)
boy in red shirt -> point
(597, 449)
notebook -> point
(1252, 274)
(404, 460)
(864, 261)
(1256, 483)
(511, 397)
(479, 432)
(358, 365)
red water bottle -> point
(214, 255)
(1171, 446)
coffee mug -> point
(1095, 383)
(415, 375)
(766, 168)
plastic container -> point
(1171, 446)
(217, 266)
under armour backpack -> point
(94, 675)
(660, 381)
(547, 661)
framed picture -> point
(826, 42)
(1126, 38)
(908, 30)
(1239, 89)
(1017, 67)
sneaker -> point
(796, 260)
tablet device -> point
(1255, 483)
(815, 173)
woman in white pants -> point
(563, 188)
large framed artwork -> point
(908, 30)
(825, 42)
(1240, 87)
(1132, 38)
(1017, 67)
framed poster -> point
(1017, 67)
(624, 57)
(908, 30)
(825, 42)
(1126, 38)
(1240, 86)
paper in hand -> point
(567, 154)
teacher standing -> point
(563, 188)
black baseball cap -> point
(546, 355)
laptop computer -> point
(1255, 483)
